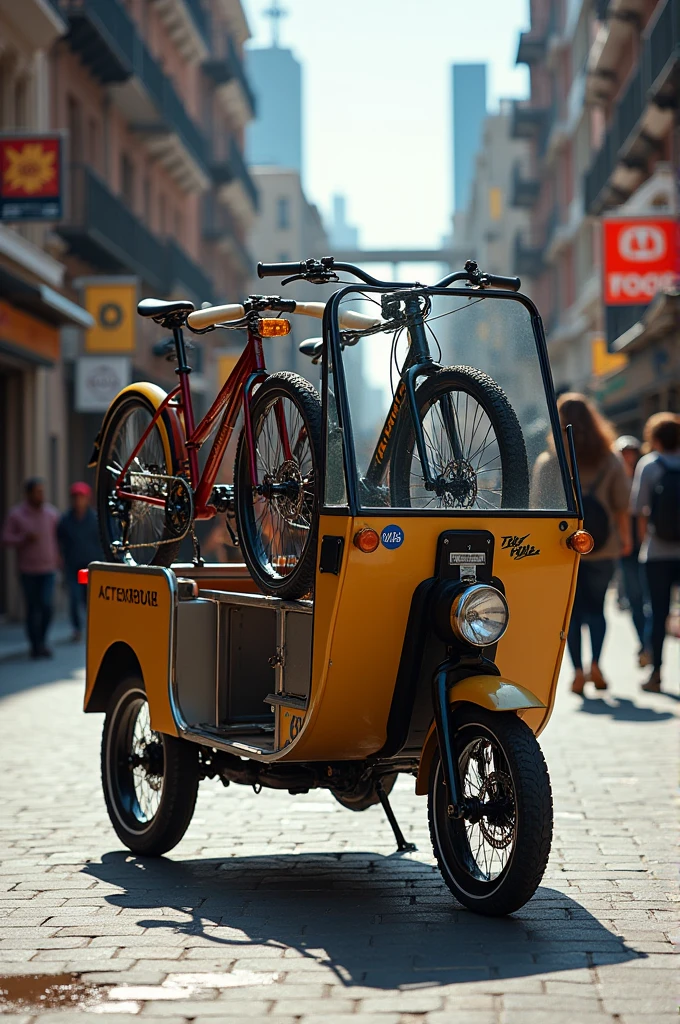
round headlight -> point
(479, 615)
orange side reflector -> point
(581, 541)
(83, 575)
(274, 328)
(366, 540)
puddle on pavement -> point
(47, 992)
(69, 991)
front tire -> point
(474, 443)
(493, 866)
(150, 780)
(277, 518)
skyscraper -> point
(469, 110)
(275, 136)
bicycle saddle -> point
(159, 309)
(313, 348)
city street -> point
(292, 909)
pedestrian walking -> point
(78, 535)
(633, 575)
(606, 491)
(655, 500)
(31, 528)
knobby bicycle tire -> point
(512, 456)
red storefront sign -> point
(640, 259)
(30, 177)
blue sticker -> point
(392, 537)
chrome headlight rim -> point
(457, 614)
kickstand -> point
(402, 845)
(198, 561)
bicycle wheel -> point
(130, 417)
(474, 444)
(277, 514)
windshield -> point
(483, 439)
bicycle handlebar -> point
(512, 284)
(280, 269)
(212, 315)
(326, 270)
(202, 318)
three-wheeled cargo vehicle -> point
(440, 515)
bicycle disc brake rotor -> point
(288, 502)
(179, 508)
(497, 823)
(457, 484)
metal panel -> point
(196, 661)
(297, 664)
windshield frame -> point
(332, 344)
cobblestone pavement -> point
(292, 909)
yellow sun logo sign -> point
(28, 169)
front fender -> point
(494, 693)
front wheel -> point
(277, 512)
(494, 860)
(150, 780)
(474, 445)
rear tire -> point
(150, 803)
(129, 418)
(278, 533)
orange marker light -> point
(581, 541)
(367, 540)
(83, 575)
(272, 327)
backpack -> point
(665, 510)
(595, 515)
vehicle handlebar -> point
(280, 269)
(512, 284)
(211, 315)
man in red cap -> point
(78, 534)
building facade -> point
(275, 135)
(152, 102)
(468, 95)
(600, 122)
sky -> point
(377, 101)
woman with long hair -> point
(606, 491)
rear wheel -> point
(150, 780)
(147, 525)
(277, 514)
(494, 860)
(474, 443)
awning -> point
(660, 318)
(42, 301)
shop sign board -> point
(640, 258)
(98, 381)
(31, 176)
(112, 304)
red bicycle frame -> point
(236, 393)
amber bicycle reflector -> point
(272, 327)
(581, 541)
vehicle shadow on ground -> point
(373, 920)
(23, 673)
(623, 709)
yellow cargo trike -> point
(443, 527)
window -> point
(283, 213)
(146, 189)
(93, 143)
(21, 103)
(127, 180)
(179, 225)
(75, 129)
(163, 215)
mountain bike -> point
(149, 488)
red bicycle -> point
(149, 487)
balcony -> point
(532, 48)
(232, 85)
(107, 41)
(527, 256)
(220, 229)
(188, 25)
(642, 117)
(39, 22)
(528, 122)
(103, 232)
(235, 186)
(184, 275)
(523, 191)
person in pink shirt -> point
(31, 528)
